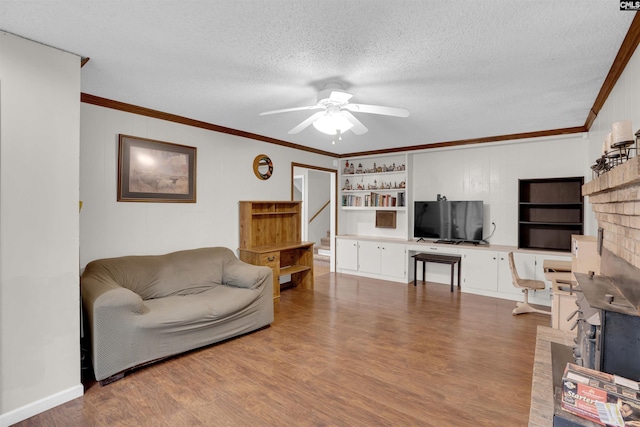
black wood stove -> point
(608, 337)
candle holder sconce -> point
(616, 150)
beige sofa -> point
(140, 309)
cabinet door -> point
(392, 260)
(369, 256)
(347, 254)
(480, 270)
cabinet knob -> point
(271, 258)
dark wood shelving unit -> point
(550, 210)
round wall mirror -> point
(262, 166)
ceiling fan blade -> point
(286, 110)
(377, 109)
(340, 96)
(358, 128)
(307, 122)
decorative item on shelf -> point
(622, 136)
(347, 185)
(346, 168)
(359, 170)
(618, 147)
(614, 154)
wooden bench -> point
(439, 259)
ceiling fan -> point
(335, 116)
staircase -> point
(322, 251)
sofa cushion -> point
(178, 273)
(177, 312)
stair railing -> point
(319, 210)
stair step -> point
(320, 258)
(324, 251)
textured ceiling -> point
(465, 69)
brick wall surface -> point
(615, 199)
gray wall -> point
(39, 286)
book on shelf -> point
(374, 200)
(351, 200)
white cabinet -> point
(384, 259)
(529, 266)
(371, 258)
(480, 270)
(486, 271)
(483, 271)
(347, 254)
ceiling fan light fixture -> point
(332, 123)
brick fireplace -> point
(615, 198)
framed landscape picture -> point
(155, 171)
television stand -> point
(445, 241)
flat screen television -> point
(456, 221)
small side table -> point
(439, 259)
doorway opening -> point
(316, 187)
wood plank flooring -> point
(353, 352)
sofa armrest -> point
(98, 293)
(243, 275)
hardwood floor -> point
(353, 352)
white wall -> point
(39, 288)
(490, 172)
(622, 104)
(224, 176)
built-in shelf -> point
(549, 211)
(374, 208)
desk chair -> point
(525, 285)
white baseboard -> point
(39, 406)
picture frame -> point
(155, 171)
(385, 219)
